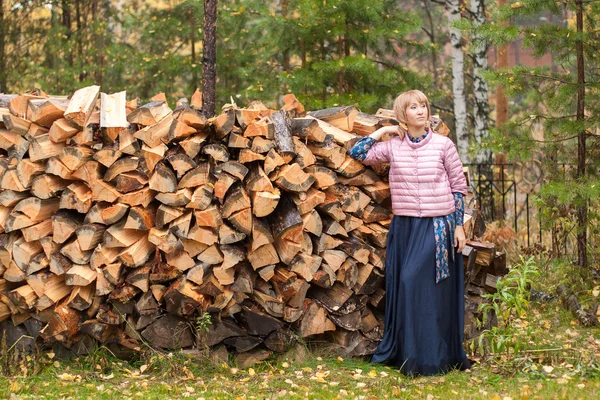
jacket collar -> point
(422, 142)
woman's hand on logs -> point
(391, 130)
(460, 239)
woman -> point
(424, 312)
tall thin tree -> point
(209, 59)
(458, 80)
(501, 100)
(481, 107)
(582, 207)
(3, 74)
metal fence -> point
(503, 193)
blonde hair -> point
(404, 100)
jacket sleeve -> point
(459, 214)
(454, 169)
(361, 148)
(379, 153)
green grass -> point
(314, 379)
(556, 359)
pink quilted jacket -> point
(422, 175)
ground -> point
(544, 354)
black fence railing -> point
(503, 194)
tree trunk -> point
(3, 73)
(193, 45)
(481, 109)
(209, 60)
(501, 100)
(66, 22)
(458, 80)
(431, 34)
(285, 63)
(581, 150)
(78, 16)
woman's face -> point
(417, 114)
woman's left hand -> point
(460, 239)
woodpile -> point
(122, 222)
(484, 264)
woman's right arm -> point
(368, 151)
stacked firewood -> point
(484, 264)
(126, 223)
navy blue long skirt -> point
(423, 319)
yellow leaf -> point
(340, 359)
(596, 291)
(251, 372)
(285, 365)
(516, 5)
(14, 386)
(372, 373)
(66, 377)
(143, 368)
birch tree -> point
(458, 80)
(481, 107)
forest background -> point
(533, 101)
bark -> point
(431, 34)
(581, 146)
(209, 60)
(66, 22)
(481, 109)
(501, 100)
(3, 73)
(286, 53)
(193, 45)
(458, 81)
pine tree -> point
(562, 104)
(346, 51)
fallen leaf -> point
(548, 369)
(251, 372)
(143, 368)
(66, 377)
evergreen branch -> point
(549, 77)
(442, 108)
(428, 33)
(555, 140)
